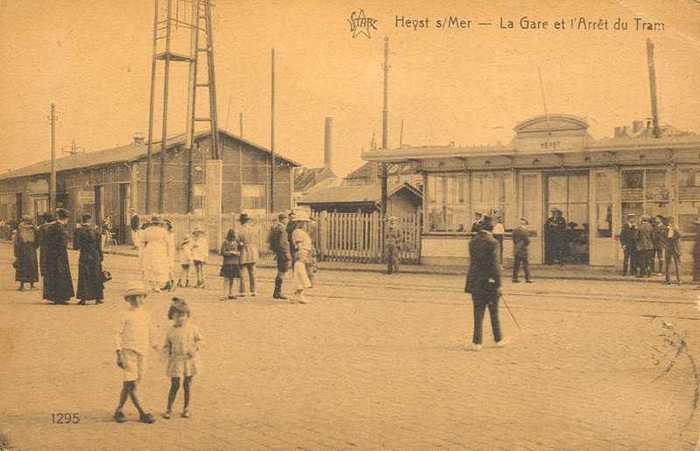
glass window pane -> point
(604, 219)
(578, 188)
(632, 179)
(556, 189)
(656, 189)
(603, 187)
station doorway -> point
(568, 242)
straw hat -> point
(135, 288)
(27, 218)
(300, 215)
(156, 220)
(198, 229)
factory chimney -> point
(327, 144)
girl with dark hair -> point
(230, 267)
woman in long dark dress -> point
(26, 266)
(87, 240)
(58, 283)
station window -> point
(645, 191)
(254, 197)
(447, 203)
(688, 198)
(604, 204)
(452, 199)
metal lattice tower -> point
(174, 23)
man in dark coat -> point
(476, 223)
(279, 244)
(87, 241)
(629, 235)
(484, 284)
(645, 247)
(672, 250)
(555, 237)
(658, 255)
(521, 241)
(25, 244)
(48, 218)
(58, 283)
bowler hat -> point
(243, 218)
(135, 288)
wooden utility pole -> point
(272, 137)
(652, 88)
(52, 177)
(149, 146)
(240, 125)
(401, 135)
(385, 130)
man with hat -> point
(249, 255)
(392, 242)
(521, 241)
(629, 235)
(672, 250)
(484, 285)
(25, 245)
(279, 244)
(645, 247)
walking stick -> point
(511, 313)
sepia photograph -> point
(326, 224)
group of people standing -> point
(50, 238)
(650, 245)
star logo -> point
(360, 24)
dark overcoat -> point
(521, 241)
(279, 242)
(58, 283)
(484, 277)
(27, 268)
(90, 283)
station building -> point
(553, 162)
(111, 181)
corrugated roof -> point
(130, 152)
(343, 194)
(353, 194)
(307, 178)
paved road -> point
(375, 361)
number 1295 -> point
(65, 418)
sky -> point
(92, 58)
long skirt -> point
(90, 285)
(27, 266)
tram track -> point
(437, 290)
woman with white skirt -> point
(156, 259)
(303, 252)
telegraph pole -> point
(272, 137)
(652, 88)
(240, 133)
(149, 151)
(385, 129)
(52, 179)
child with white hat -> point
(134, 335)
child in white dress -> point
(182, 344)
(185, 256)
(200, 252)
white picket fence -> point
(352, 237)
